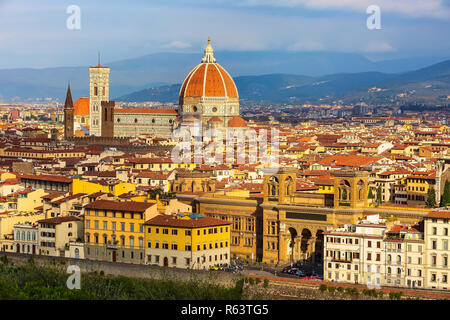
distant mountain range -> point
(426, 85)
(155, 70)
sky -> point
(35, 33)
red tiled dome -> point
(208, 79)
(237, 122)
(81, 107)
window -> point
(174, 232)
(187, 247)
(165, 231)
(174, 260)
(105, 225)
(131, 227)
(174, 246)
(187, 232)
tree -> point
(431, 198)
(379, 200)
(445, 199)
(370, 196)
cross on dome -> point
(209, 53)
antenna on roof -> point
(99, 58)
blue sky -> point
(34, 33)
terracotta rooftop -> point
(172, 221)
(59, 220)
(128, 206)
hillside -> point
(430, 84)
(155, 70)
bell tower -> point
(280, 187)
(68, 115)
(98, 92)
(350, 189)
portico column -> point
(312, 248)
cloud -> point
(379, 47)
(308, 45)
(177, 45)
(413, 8)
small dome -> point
(215, 119)
(237, 122)
(81, 107)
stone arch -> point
(345, 190)
(319, 245)
(273, 186)
(289, 185)
(360, 189)
(305, 237)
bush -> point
(102, 273)
(323, 288)
(251, 281)
(340, 289)
(258, 280)
(380, 294)
(395, 295)
(266, 283)
(331, 289)
(4, 260)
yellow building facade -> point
(187, 241)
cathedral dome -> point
(207, 80)
(237, 122)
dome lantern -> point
(209, 53)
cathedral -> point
(208, 96)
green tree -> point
(431, 198)
(370, 196)
(379, 200)
(445, 199)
